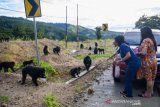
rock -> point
(97, 81)
(11, 86)
(85, 99)
(15, 103)
(6, 89)
(75, 100)
(90, 91)
(3, 105)
(108, 80)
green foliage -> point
(51, 101)
(94, 56)
(18, 32)
(19, 28)
(98, 32)
(50, 70)
(78, 88)
(18, 66)
(4, 99)
(152, 21)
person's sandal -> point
(143, 95)
(125, 96)
(123, 93)
(143, 92)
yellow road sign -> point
(32, 8)
(105, 27)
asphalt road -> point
(107, 94)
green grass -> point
(94, 56)
(4, 99)
(18, 66)
(78, 88)
(50, 71)
(87, 43)
(51, 101)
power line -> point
(1, 8)
(80, 5)
(11, 10)
(46, 2)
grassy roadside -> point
(52, 62)
(94, 56)
(4, 99)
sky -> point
(119, 14)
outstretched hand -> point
(117, 62)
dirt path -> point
(30, 96)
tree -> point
(19, 28)
(29, 34)
(98, 32)
(40, 33)
(152, 21)
(18, 32)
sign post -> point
(32, 8)
(36, 40)
(105, 28)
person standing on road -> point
(132, 61)
(147, 51)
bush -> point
(51, 101)
(50, 70)
(4, 99)
(18, 66)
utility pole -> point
(36, 41)
(66, 28)
(77, 28)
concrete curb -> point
(80, 75)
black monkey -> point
(45, 50)
(95, 50)
(101, 51)
(90, 48)
(27, 62)
(81, 46)
(75, 72)
(87, 62)
(34, 72)
(7, 65)
(96, 44)
(56, 50)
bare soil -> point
(29, 95)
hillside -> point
(111, 34)
(22, 28)
(16, 28)
(19, 51)
(89, 33)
